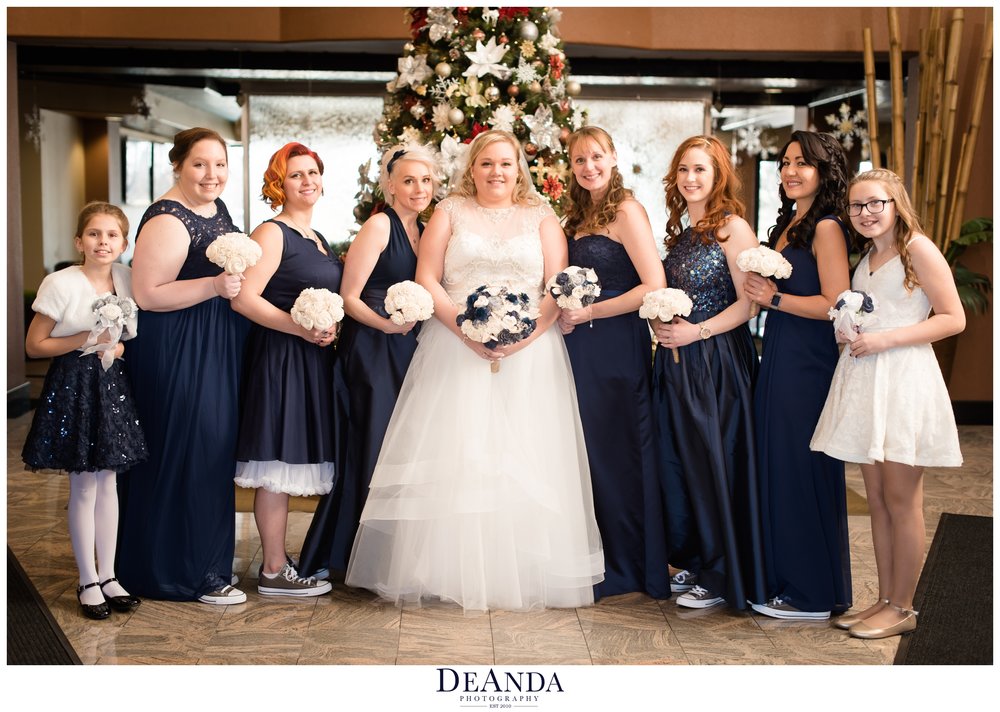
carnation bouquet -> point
(233, 252)
(664, 304)
(495, 316)
(853, 311)
(575, 287)
(317, 308)
(765, 262)
(112, 314)
(407, 301)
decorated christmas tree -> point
(469, 69)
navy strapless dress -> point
(704, 430)
(287, 412)
(178, 509)
(369, 372)
(611, 367)
(803, 493)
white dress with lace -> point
(893, 405)
(481, 494)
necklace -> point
(308, 234)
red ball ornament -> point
(478, 34)
(513, 90)
(530, 148)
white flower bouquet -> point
(765, 262)
(407, 301)
(575, 287)
(664, 304)
(853, 311)
(112, 314)
(317, 308)
(233, 252)
(495, 316)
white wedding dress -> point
(481, 494)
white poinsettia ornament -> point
(544, 131)
(487, 59)
(413, 70)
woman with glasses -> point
(802, 493)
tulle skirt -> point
(481, 494)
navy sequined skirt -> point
(85, 419)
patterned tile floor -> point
(349, 628)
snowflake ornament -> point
(444, 87)
(846, 126)
(525, 73)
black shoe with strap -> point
(95, 612)
(122, 604)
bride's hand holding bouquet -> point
(497, 319)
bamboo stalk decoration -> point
(971, 135)
(934, 164)
(896, 81)
(950, 107)
(872, 99)
(928, 50)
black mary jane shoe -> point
(96, 613)
(122, 604)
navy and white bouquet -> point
(114, 316)
(495, 316)
(575, 287)
(853, 312)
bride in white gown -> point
(481, 494)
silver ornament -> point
(492, 94)
(443, 70)
(456, 117)
(526, 30)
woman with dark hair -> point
(179, 507)
(374, 352)
(288, 423)
(703, 398)
(803, 494)
(609, 347)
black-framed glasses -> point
(874, 207)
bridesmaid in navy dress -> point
(373, 352)
(178, 509)
(803, 494)
(286, 444)
(704, 402)
(610, 349)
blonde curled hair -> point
(524, 191)
(407, 152)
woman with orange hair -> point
(286, 441)
(703, 400)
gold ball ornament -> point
(573, 88)
(492, 94)
(456, 117)
(443, 70)
(535, 87)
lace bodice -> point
(895, 306)
(493, 246)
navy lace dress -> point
(704, 430)
(803, 493)
(178, 515)
(369, 372)
(611, 367)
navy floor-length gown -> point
(803, 493)
(705, 434)
(178, 509)
(287, 414)
(611, 362)
(369, 372)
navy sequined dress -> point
(704, 414)
(177, 525)
(611, 367)
(369, 372)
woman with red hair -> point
(287, 417)
(703, 401)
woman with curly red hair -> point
(703, 401)
(288, 426)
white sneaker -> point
(288, 583)
(779, 608)
(699, 597)
(683, 581)
(225, 596)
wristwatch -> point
(703, 331)
(776, 300)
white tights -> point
(93, 524)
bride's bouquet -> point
(575, 287)
(408, 301)
(111, 314)
(853, 311)
(317, 308)
(495, 316)
(664, 304)
(233, 252)
(765, 262)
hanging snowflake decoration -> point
(750, 140)
(444, 87)
(846, 126)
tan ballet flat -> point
(846, 621)
(907, 625)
